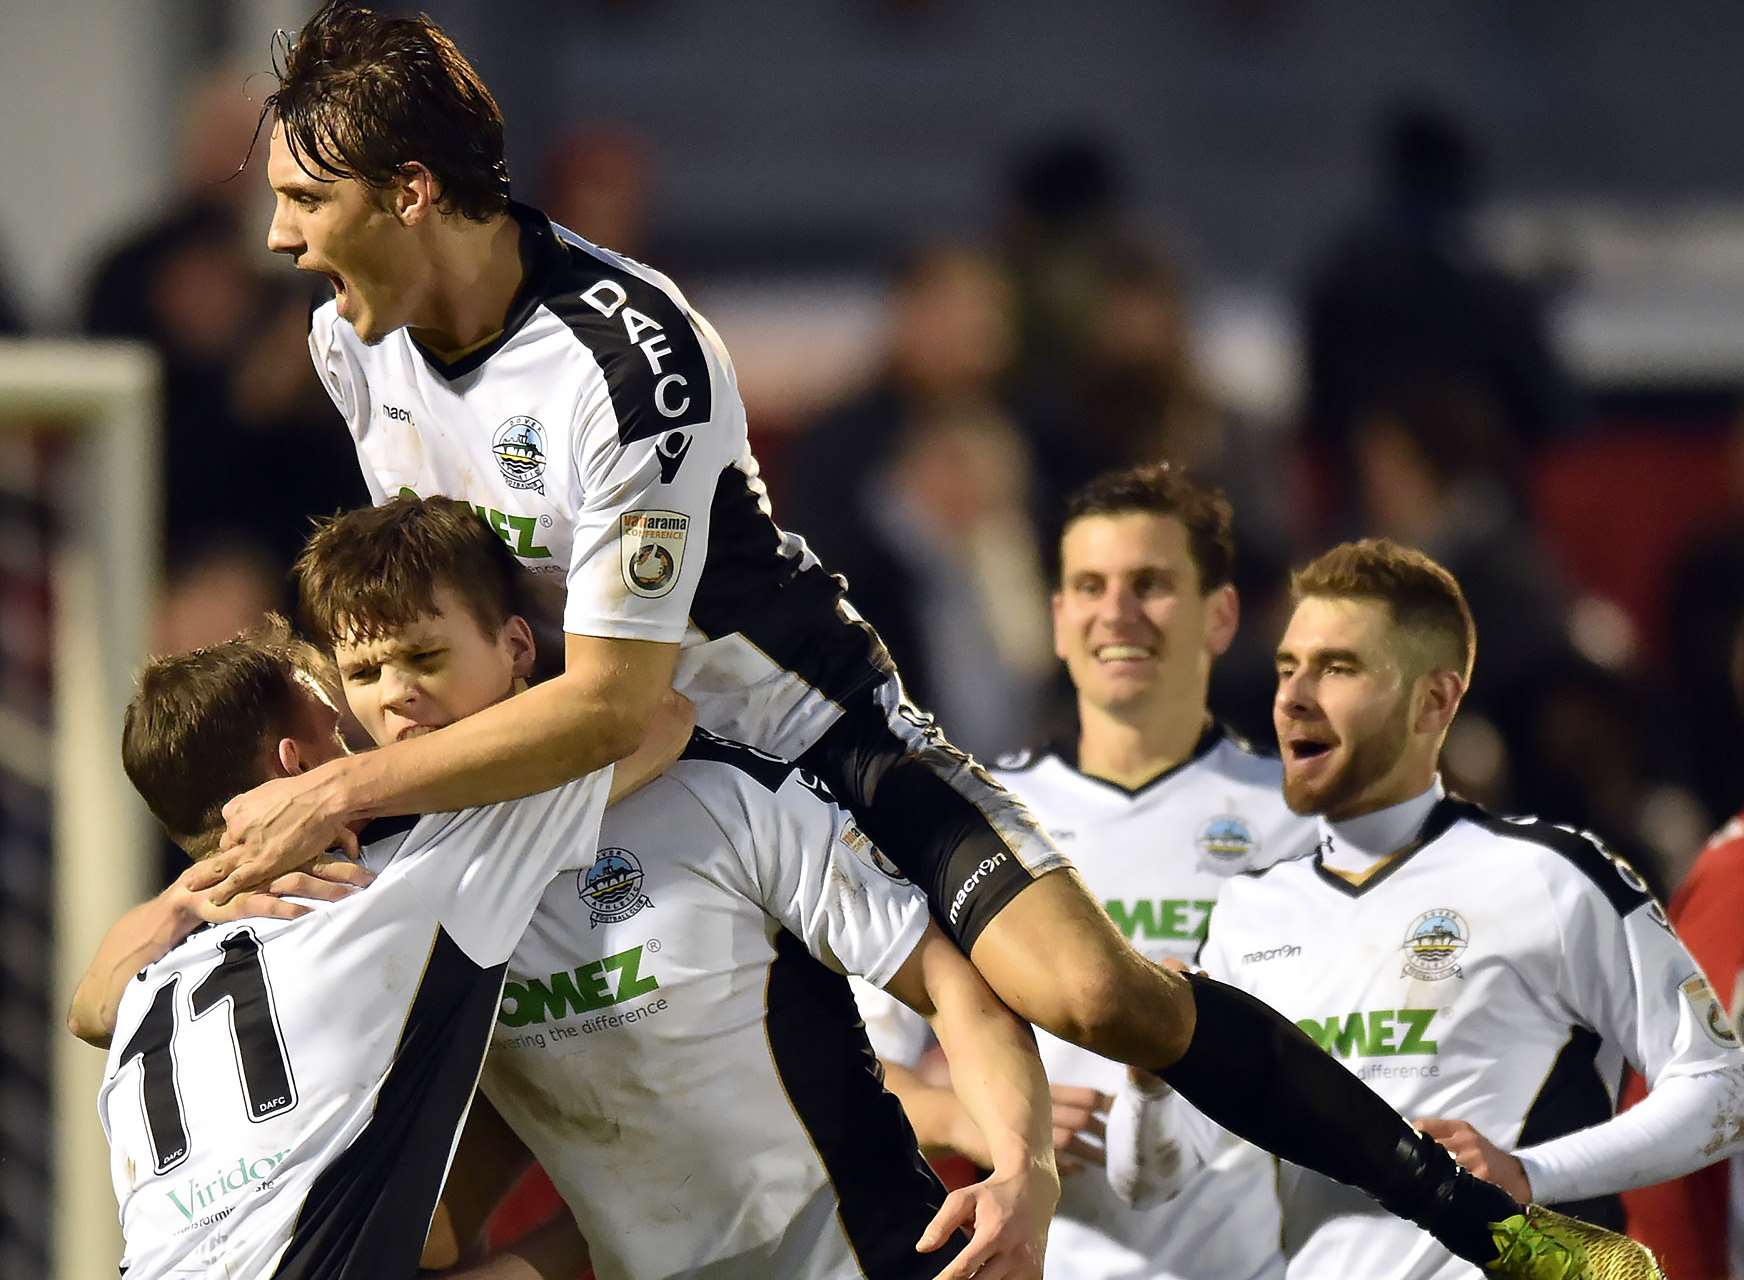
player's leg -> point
(998, 886)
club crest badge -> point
(1227, 840)
(1433, 945)
(1705, 1005)
(651, 550)
(519, 448)
(612, 887)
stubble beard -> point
(1368, 760)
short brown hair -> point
(1420, 595)
(201, 727)
(1163, 489)
(374, 570)
(362, 96)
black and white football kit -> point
(679, 1048)
(1500, 972)
(602, 436)
(282, 1097)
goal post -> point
(102, 400)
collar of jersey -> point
(542, 257)
(1442, 814)
(1066, 748)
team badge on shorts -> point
(1227, 840)
(1700, 997)
(519, 447)
(1433, 945)
(612, 887)
(651, 550)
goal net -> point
(79, 549)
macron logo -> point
(974, 882)
(1289, 951)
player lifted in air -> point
(1488, 975)
(466, 334)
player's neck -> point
(1357, 846)
(475, 271)
(1130, 751)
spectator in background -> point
(930, 513)
(1407, 286)
(239, 397)
(1696, 1223)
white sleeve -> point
(652, 436)
(482, 871)
(1626, 976)
(1156, 1141)
(343, 379)
(820, 877)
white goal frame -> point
(105, 568)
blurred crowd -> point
(1599, 536)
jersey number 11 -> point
(238, 979)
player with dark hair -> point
(1160, 807)
(575, 399)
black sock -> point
(1254, 1072)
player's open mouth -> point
(337, 283)
(1124, 653)
(414, 730)
(1306, 748)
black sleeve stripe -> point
(885, 1192)
(366, 1214)
(1574, 1097)
(766, 770)
(654, 364)
(1621, 884)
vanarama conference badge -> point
(651, 550)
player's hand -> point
(326, 879)
(1480, 1157)
(1080, 1125)
(276, 828)
(1007, 1215)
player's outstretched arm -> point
(597, 712)
(148, 932)
(997, 1074)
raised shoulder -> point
(639, 332)
(1576, 852)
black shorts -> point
(965, 840)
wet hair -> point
(1165, 490)
(362, 96)
(1422, 598)
(202, 725)
(372, 571)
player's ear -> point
(290, 757)
(1057, 602)
(413, 195)
(518, 637)
(1442, 691)
(1222, 617)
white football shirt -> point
(282, 1097)
(1157, 858)
(602, 436)
(1500, 973)
(678, 1046)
